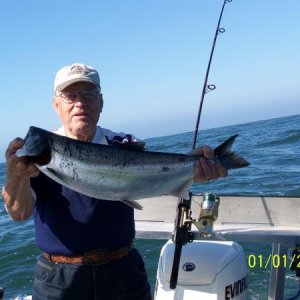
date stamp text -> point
(273, 260)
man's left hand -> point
(205, 167)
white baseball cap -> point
(75, 73)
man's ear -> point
(55, 104)
(101, 102)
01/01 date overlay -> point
(273, 260)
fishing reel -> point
(183, 222)
(209, 209)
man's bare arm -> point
(16, 192)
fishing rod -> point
(182, 234)
(208, 88)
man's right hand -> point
(18, 167)
(16, 192)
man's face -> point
(79, 106)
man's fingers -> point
(13, 147)
(208, 170)
(202, 170)
(205, 151)
(19, 166)
(26, 168)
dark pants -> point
(124, 279)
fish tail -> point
(228, 158)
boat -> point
(213, 265)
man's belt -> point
(94, 257)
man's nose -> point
(80, 99)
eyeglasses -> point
(86, 96)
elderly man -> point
(87, 244)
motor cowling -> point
(207, 270)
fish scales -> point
(115, 173)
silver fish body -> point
(105, 171)
(110, 172)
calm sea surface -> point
(272, 147)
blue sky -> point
(152, 57)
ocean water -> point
(272, 147)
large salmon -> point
(112, 172)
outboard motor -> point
(207, 270)
(200, 269)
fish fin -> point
(182, 190)
(133, 204)
(228, 158)
(126, 142)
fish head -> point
(36, 146)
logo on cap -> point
(76, 70)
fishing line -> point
(208, 88)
